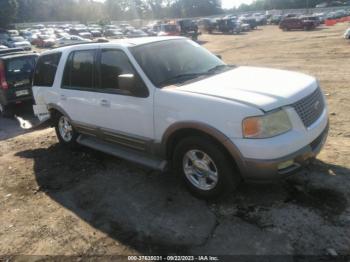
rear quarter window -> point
(45, 70)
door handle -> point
(105, 103)
(63, 97)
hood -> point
(264, 88)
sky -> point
(231, 3)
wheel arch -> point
(178, 131)
(54, 111)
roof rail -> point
(84, 43)
(15, 52)
(18, 53)
(11, 50)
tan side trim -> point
(207, 129)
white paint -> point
(222, 102)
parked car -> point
(82, 32)
(169, 30)
(250, 21)
(296, 23)
(347, 33)
(260, 19)
(19, 41)
(189, 28)
(128, 29)
(275, 20)
(125, 27)
(228, 26)
(114, 33)
(207, 25)
(314, 19)
(96, 33)
(71, 39)
(45, 41)
(4, 36)
(136, 33)
(110, 27)
(16, 71)
(322, 5)
(215, 123)
(245, 27)
(39, 27)
(13, 33)
(149, 31)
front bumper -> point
(264, 170)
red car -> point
(296, 23)
(45, 41)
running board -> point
(124, 153)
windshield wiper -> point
(186, 77)
(218, 68)
(180, 78)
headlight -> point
(269, 125)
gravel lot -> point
(59, 202)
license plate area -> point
(22, 93)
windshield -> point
(169, 60)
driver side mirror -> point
(129, 84)
(126, 83)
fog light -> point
(286, 164)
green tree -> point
(8, 11)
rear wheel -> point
(206, 170)
(65, 131)
(6, 110)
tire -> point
(62, 123)
(221, 168)
(6, 111)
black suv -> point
(16, 70)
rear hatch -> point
(18, 73)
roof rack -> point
(11, 50)
(84, 43)
(15, 51)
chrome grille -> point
(310, 108)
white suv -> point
(166, 100)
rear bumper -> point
(8, 101)
(265, 170)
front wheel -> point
(65, 132)
(206, 170)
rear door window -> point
(80, 70)
(45, 70)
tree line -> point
(19, 11)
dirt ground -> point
(59, 202)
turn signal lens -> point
(269, 125)
(251, 127)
